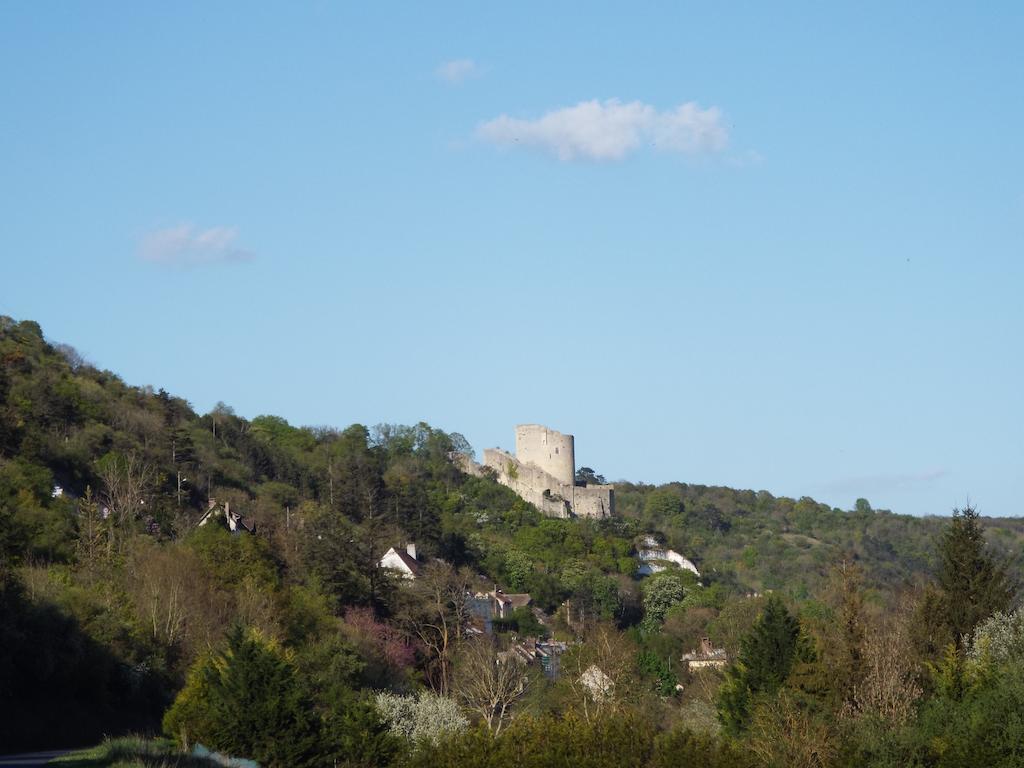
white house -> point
(403, 563)
(654, 558)
(234, 521)
(705, 657)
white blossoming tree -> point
(423, 717)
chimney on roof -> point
(705, 646)
(410, 548)
(227, 509)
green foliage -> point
(771, 648)
(185, 720)
(521, 621)
(109, 625)
(983, 726)
(619, 742)
(518, 567)
(658, 671)
(766, 658)
(682, 747)
(661, 592)
(973, 584)
(355, 736)
(49, 663)
(247, 701)
(588, 476)
(234, 558)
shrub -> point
(247, 701)
(423, 718)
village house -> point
(235, 522)
(504, 604)
(495, 605)
(705, 657)
(404, 563)
(532, 650)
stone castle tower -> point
(543, 471)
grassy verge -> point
(133, 752)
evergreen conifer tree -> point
(767, 655)
(973, 584)
(769, 650)
(254, 705)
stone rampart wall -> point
(593, 501)
(532, 483)
(545, 491)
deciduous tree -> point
(435, 613)
(488, 683)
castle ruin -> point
(543, 472)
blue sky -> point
(767, 245)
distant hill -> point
(62, 421)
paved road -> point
(31, 759)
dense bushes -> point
(554, 742)
(250, 699)
(58, 685)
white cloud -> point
(184, 245)
(610, 130)
(457, 71)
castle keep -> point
(543, 471)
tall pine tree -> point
(767, 655)
(247, 701)
(973, 584)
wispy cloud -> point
(457, 71)
(884, 483)
(186, 246)
(610, 130)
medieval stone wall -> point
(554, 495)
(593, 500)
(529, 481)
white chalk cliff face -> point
(655, 558)
(543, 472)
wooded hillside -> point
(112, 592)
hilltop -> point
(65, 425)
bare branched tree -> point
(784, 734)
(436, 615)
(72, 356)
(601, 671)
(173, 594)
(127, 484)
(489, 683)
(889, 687)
